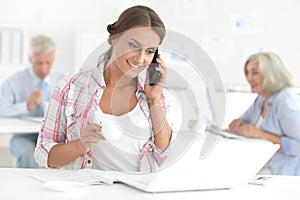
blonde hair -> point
(276, 75)
(41, 43)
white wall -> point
(65, 20)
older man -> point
(25, 93)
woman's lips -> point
(134, 66)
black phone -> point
(154, 75)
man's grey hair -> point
(41, 43)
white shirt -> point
(121, 152)
(259, 122)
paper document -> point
(260, 180)
(87, 176)
(276, 181)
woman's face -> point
(254, 77)
(134, 49)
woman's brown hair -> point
(135, 16)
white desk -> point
(9, 126)
(17, 184)
(20, 125)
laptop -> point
(229, 164)
(223, 132)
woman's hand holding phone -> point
(156, 77)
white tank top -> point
(259, 122)
(121, 154)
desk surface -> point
(20, 125)
(18, 184)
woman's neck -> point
(114, 77)
(266, 96)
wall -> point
(210, 26)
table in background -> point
(20, 125)
(9, 126)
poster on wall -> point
(247, 23)
(191, 9)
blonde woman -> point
(275, 113)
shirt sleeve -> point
(53, 130)
(152, 157)
(289, 118)
(8, 105)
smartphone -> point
(154, 75)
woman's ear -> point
(114, 41)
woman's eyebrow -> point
(254, 69)
(138, 43)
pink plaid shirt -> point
(73, 105)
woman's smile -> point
(134, 67)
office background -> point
(227, 30)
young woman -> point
(112, 99)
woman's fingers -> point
(91, 135)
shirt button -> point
(89, 161)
